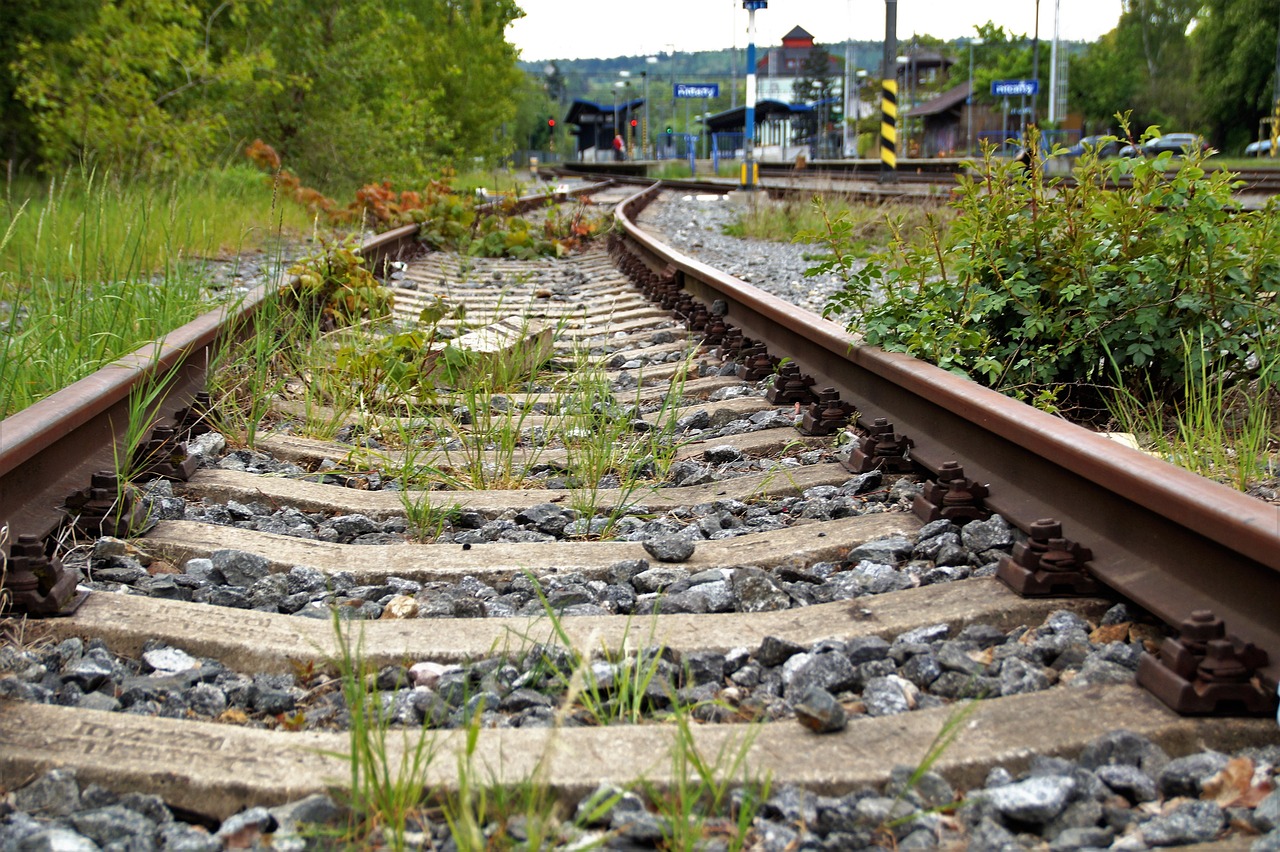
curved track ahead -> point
(1156, 535)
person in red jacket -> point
(619, 147)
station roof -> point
(950, 99)
(589, 112)
(736, 118)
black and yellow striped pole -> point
(889, 126)
(889, 95)
(1275, 128)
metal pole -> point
(1035, 62)
(969, 100)
(848, 78)
(644, 118)
(733, 60)
(1275, 108)
(672, 52)
(889, 95)
(748, 180)
(1053, 66)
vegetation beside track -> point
(93, 266)
(870, 227)
(1143, 302)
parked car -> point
(1178, 143)
(1257, 149)
(1106, 146)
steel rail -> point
(1161, 536)
(52, 448)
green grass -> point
(90, 269)
(387, 785)
(389, 791)
(800, 221)
(1220, 430)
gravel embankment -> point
(695, 225)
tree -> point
(815, 85)
(49, 22)
(1143, 66)
(1235, 48)
(1102, 82)
(382, 89)
(125, 91)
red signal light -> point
(634, 122)
(551, 122)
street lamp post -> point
(671, 54)
(858, 77)
(969, 100)
(649, 60)
(844, 91)
(748, 147)
(627, 134)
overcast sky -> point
(572, 29)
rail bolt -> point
(1200, 629)
(1221, 664)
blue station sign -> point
(696, 90)
(1014, 88)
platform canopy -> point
(736, 119)
(595, 124)
(588, 113)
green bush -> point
(1055, 290)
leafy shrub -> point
(340, 285)
(450, 221)
(1053, 290)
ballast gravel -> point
(940, 552)
(1122, 792)
(695, 225)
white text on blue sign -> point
(697, 90)
(1014, 88)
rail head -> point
(1160, 535)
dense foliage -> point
(1057, 291)
(345, 90)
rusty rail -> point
(1161, 536)
(52, 448)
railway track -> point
(750, 573)
(920, 180)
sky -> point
(572, 29)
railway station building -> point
(780, 67)
(595, 125)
